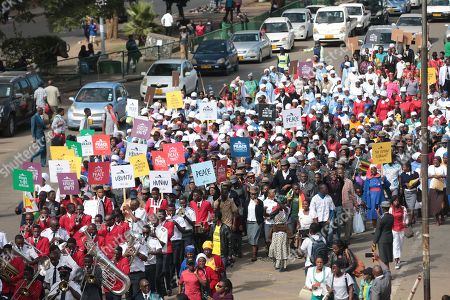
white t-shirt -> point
(163, 235)
(305, 220)
(269, 204)
(54, 290)
(190, 213)
(137, 265)
(251, 216)
(340, 289)
(307, 247)
(60, 233)
(136, 227)
(153, 245)
(177, 235)
(320, 208)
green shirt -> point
(447, 49)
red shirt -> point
(202, 213)
(358, 107)
(382, 109)
(398, 214)
(34, 290)
(18, 263)
(152, 206)
(113, 238)
(124, 266)
(170, 228)
(99, 240)
(65, 222)
(43, 245)
(78, 256)
(407, 107)
(75, 200)
(26, 233)
(44, 224)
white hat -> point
(292, 160)
(360, 115)
(185, 139)
(317, 95)
(391, 45)
(250, 128)
(316, 137)
(403, 89)
(332, 154)
(45, 177)
(262, 85)
(370, 67)
(299, 133)
(371, 120)
(191, 114)
(358, 93)
(386, 123)
(311, 155)
(193, 94)
(383, 93)
(115, 157)
(332, 72)
(362, 141)
(413, 113)
(353, 69)
(144, 111)
(415, 156)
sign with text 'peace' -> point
(292, 118)
(240, 147)
(207, 111)
(203, 173)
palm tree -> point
(141, 21)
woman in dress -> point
(317, 278)
(191, 280)
(409, 181)
(340, 283)
(374, 193)
(398, 229)
(254, 216)
(437, 174)
(279, 248)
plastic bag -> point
(358, 223)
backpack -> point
(319, 248)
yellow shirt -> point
(211, 263)
(216, 241)
(354, 124)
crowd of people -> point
(302, 190)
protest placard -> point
(221, 170)
(266, 112)
(397, 35)
(292, 118)
(207, 111)
(160, 160)
(57, 166)
(122, 176)
(352, 43)
(381, 153)
(240, 147)
(293, 67)
(23, 180)
(87, 149)
(59, 152)
(68, 184)
(101, 144)
(161, 180)
(76, 147)
(132, 108)
(98, 173)
(36, 169)
(174, 100)
(141, 129)
(84, 132)
(175, 153)
(74, 164)
(134, 149)
(149, 94)
(203, 173)
(140, 165)
(175, 78)
(305, 70)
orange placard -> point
(397, 35)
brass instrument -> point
(7, 271)
(20, 253)
(78, 219)
(25, 290)
(63, 286)
(131, 241)
(89, 276)
(181, 212)
(110, 273)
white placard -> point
(292, 118)
(87, 148)
(161, 180)
(57, 166)
(207, 111)
(122, 176)
(134, 149)
(132, 108)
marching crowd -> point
(303, 190)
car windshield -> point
(354, 10)
(245, 37)
(5, 90)
(378, 37)
(295, 17)
(409, 21)
(438, 2)
(93, 95)
(163, 69)
(212, 47)
(329, 17)
(275, 27)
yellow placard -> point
(140, 165)
(75, 164)
(174, 100)
(60, 152)
(432, 74)
(382, 153)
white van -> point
(302, 22)
(333, 24)
(280, 32)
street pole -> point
(102, 34)
(424, 155)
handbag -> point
(358, 223)
(409, 233)
(305, 294)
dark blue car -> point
(218, 56)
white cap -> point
(193, 94)
(415, 156)
(383, 93)
(362, 141)
(403, 89)
(191, 114)
(292, 160)
(311, 156)
(353, 69)
(45, 177)
(332, 154)
(360, 115)
(371, 120)
(316, 137)
(413, 113)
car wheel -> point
(10, 129)
(236, 68)
(270, 53)
(260, 57)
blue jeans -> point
(42, 152)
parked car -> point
(252, 45)
(398, 7)
(280, 32)
(216, 56)
(301, 21)
(358, 11)
(411, 23)
(159, 76)
(416, 3)
(378, 11)
(438, 9)
(313, 9)
(379, 35)
(17, 104)
(333, 24)
(96, 96)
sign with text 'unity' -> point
(122, 176)
(161, 180)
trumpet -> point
(89, 276)
(63, 286)
(181, 212)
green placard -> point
(84, 132)
(23, 180)
(76, 146)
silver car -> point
(96, 96)
(411, 23)
(252, 45)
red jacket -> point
(99, 240)
(149, 209)
(26, 233)
(78, 256)
(358, 107)
(124, 266)
(213, 278)
(65, 222)
(74, 230)
(170, 229)
(18, 263)
(112, 239)
(35, 290)
(107, 204)
(202, 212)
(43, 245)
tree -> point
(141, 21)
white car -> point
(159, 76)
(280, 32)
(313, 9)
(357, 10)
(438, 9)
(301, 21)
(333, 24)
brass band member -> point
(91, 285)
(65, 289)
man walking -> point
(167, 22)
(53, 97)
(184, 39)
(133, 53)
(59, 126)
(40, 96)
(37, 132)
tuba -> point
(7, 271)
(110, 273)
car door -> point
(267, 47)
(232, 53)
(27, 102)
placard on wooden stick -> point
(149, 94)
(418, 40)
(397, 35)
(293, 67)
(175, 78)
(352, 43)
(407, 38)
